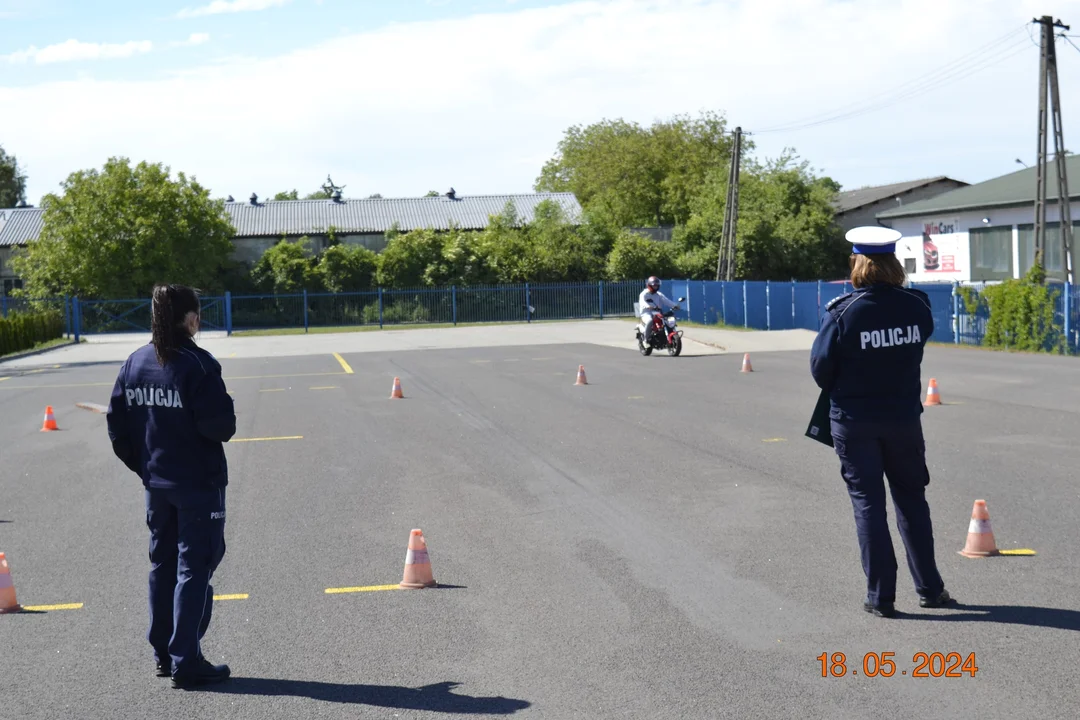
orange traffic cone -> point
(746, 366)
(581, 376)
(417, 564)
(932, 395)
(980, 539)
(396, 392)
(50, 421)
(7, 589)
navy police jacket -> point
(167, 424)
(868, 353)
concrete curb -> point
(32, 353)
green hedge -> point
(22, 331)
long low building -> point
(260, 224)
(985, 232)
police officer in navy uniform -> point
(867, 355)
(168, 417)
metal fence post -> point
(1068, 314)
(76, 317)
(228, 313)
(956, 313)
(793, 303)
(528, 304)
(67, 316)
(600, 287)
(818, 318)
(305, 310)
(768, 306)
(380, 309)
(723, 302)
(3, 304)
(453, 303)
(745, 313)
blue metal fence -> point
(749, 304)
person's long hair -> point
(168, 328)
(884, 268)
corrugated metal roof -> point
(374, 215)
(1014, 189)
(22, 226)
(853, 199)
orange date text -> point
(924, 665)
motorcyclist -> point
(651, 301)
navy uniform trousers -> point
(187, 543)
(868, 450)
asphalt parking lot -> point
(662, 543)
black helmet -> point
(653, 283)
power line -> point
(975, 61)
(1066, 37)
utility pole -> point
(725, 261)
(1048, 80)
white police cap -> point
(873, 240)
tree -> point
(288, 195)
(12, 181)
(116, 232)
(347, 268)
(287, 267)
(432, 193)
(786, 225)
(636, 258)
(630, 176)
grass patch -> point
(38, 348)
(989, 349)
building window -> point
(11, 285)
(909, 265)
(991, 253)
(1051, 253)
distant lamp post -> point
(1021, 162)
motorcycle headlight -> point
(671, 322)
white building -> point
(984, 232)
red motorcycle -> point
(665, 333)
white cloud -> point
(194, 39)
(461, 102)
(73, 50)
(220, 7)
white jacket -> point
(656, 299)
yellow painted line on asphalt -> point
(49, 608)
(1017, 551)
(541, 359)
(368, 588)
(267, 439)
(34, 372)
(511, 360)
(479, 362)
(4, 378)
(233, 355)
(774, 440)
(235, 596)
(272, 390)
(636, 397)
(324, 387)
(344, 365)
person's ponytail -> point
(170, 307)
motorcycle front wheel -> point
(675, 349)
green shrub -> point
(1022, 314)
(22, 331)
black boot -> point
(164, 668)
(881, 610)
(941, 600)
(203, 674)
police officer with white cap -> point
(867, 355)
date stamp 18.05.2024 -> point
(924, 665)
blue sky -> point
(406, 96)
